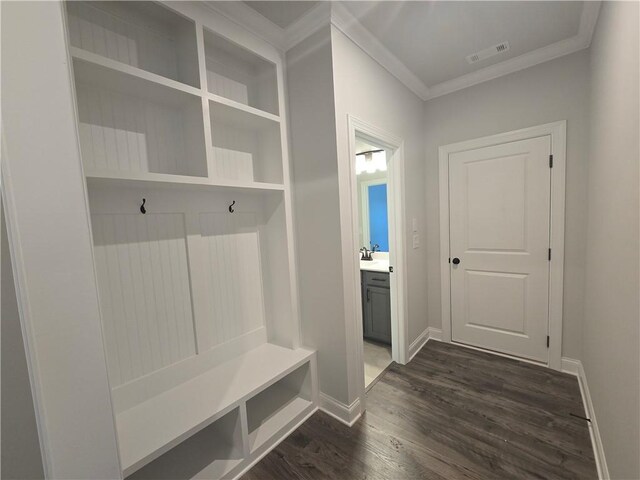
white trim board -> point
(338, 15)
(558, 133)
(575, 367)
(347, 414)
(429, 333)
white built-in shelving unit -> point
(183, 112)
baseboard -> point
(575, 367)
(418, 343)
(429, 333)
(347, 414)
(435, 334)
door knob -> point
(455, 261)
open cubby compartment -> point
(246, 147)
(196, 305)
(240, 75)
(188, 285)
(144, 35)
(271, 411)
(129, 124)
(216, 451)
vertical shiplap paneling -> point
(232, 152)
(127, 133)
(145, 292)
(226, 87)
(231, 247)
(94, 29)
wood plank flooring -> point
(452, 413)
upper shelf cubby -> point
(240, 75)
(144, 35)
(132, 125)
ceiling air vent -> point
(488, 52)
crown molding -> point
(245, 16)
(307, 25)
(580, 41)
(333, 12)
(348, 24)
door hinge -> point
(547, 341)
(550, 161)
(549, 254)
(449, 259)
(368, 291)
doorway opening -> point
(378, 241)
(373, 214)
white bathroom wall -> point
(552, 91)
(610, 351)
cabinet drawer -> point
(377, 279)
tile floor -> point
(377, 357)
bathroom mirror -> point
(372, 199)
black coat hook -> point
(142, 209)
(231, 210)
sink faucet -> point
(367, 254)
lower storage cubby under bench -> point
(235, 409)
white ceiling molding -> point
(580, 41)
(335, 13)
(308, 24)
(344, 21)
(245, 16)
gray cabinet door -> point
(377, 314)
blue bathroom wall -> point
(378, 220)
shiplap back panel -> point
(94, 29)
(233, 274)
(128, 133)
(233, 152)
(145, 293)
(226, 87)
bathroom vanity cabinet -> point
(376, 306)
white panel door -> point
(499, 234)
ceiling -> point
(432, 38)
(425, 43)
(282, 14)
(362, 146)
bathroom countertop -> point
(375, 265)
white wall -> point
(555, 90)
(329, 77)
(21, 458)
(316, 208)
(611, 326)
(48, 224)
(370, 93)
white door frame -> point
(395, 191)
(558, 133)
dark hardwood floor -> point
(451, 413)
